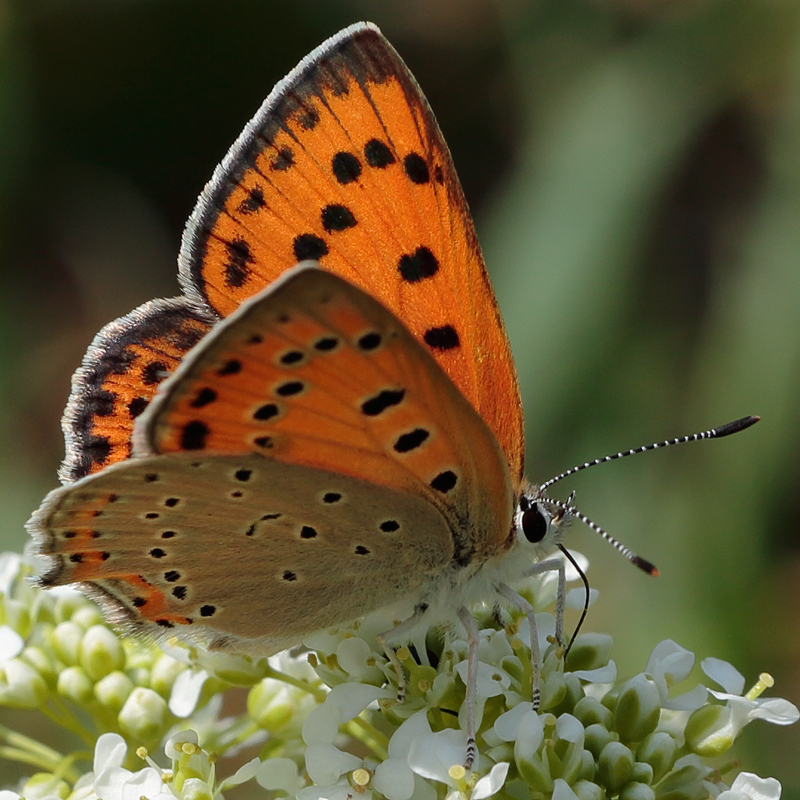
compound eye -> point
(534, 525)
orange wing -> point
(120, 373)
(345, 164)
(314, 372)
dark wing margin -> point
(120, 373)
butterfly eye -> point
(534, 525)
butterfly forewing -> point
(315, 372)
(290, 550)
(345, 164)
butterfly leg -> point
(519, 602)
(399, 634)
(473, 639)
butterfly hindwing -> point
(345, 164)
(315, 372)
(291, 549)
(120, 373)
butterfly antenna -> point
(637, 561)
(714, 433)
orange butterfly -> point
(333, 436)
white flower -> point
(751, 706)
(113, 782)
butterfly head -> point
(540, 521)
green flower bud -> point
(638, 709)
(552, 690)
(587, 769)
(588, 790)
(66, 642)
(532, 768)
(140, 676)
(37, 658)
(514, 667)
(643, 773)
(589, 651)
(69, 604)
(270, 704)
(113, 690)
(534, 771)
(21, 686)
(659, 751)
(589, 711)
(75, 685)
(683, 784)
(709, 731)
(45, 785)
(596, 738)
(236, 670)
(165, 670)
(196, 789)
(16, 615)
(573, 694)
(101, 652)
(143, 716)
(615, 766)
(87, 616)
(637, 791)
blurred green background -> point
(634, 170)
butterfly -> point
(328, 419)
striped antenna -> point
(638, 561)
(714, 433)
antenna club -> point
(735, 426)
(645, 566)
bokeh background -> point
(634, 171)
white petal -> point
(415, 726)
(530, 733)
(352, 698)
(491, 680)
(606, 674)
(569, 729)
(562, 790)
(583, 563)
(671, 660)
(10, 565)
(109, 751)
(492, 783)
(186, 692)
(243, 774)
(723, 673)
(507, 724)
(775, 710)
(7, 794)
(757, 788)
(322, 724)
(172, 749)
(394, 779)
(432, 756)
(352, 654)
(326, 763)
(340, 791)
(11, 643)
(576, 598)
(144, 783)
(689, 701)
(278, 773)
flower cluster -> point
(325, 724)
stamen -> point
(765, 681)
